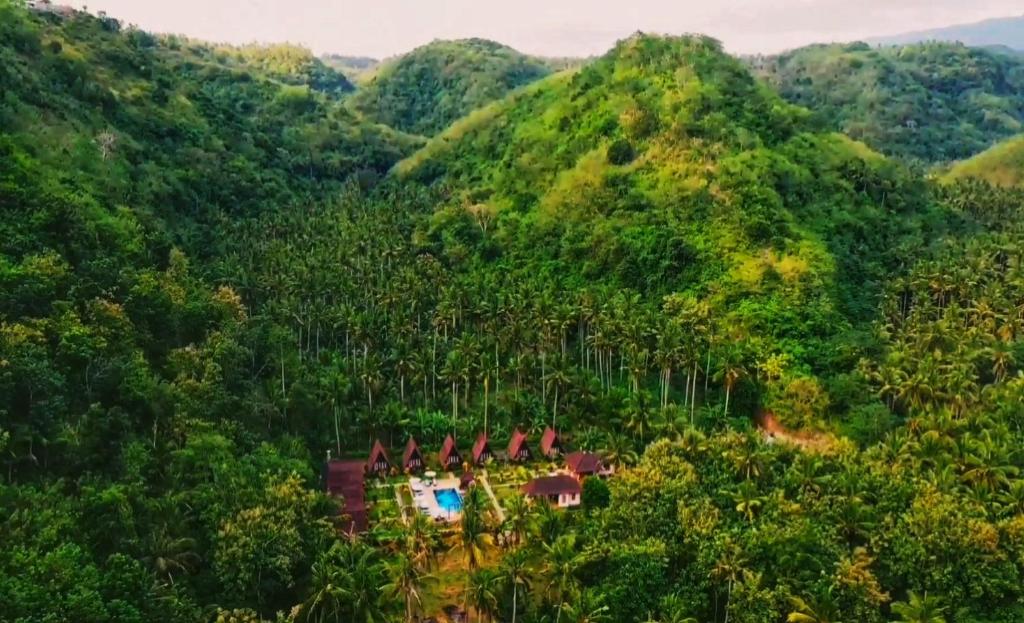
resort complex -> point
(436, 491)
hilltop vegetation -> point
(209, 283)
(424, 91)
(931, 102)
(664, 168)
(1001, 165)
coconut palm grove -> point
(665, 335)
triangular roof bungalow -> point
(412, 458)
(449, 456)
(550, 443)
(482, 450)
(378, 463)
(518, 450)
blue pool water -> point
(449, 500)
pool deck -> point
(426, 502)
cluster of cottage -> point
(561, 488)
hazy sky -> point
(553, 27)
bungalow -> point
(561, 490)
(550, 443)
(344, 479)
(482, 450)
(449, 456)
(378, 463)
(518, 450)
(412, 458)
(582, 464)
(468, 479)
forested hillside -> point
(1001, 165)
(424, 91)
(210, 280)
(930, 102)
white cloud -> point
(555, 27)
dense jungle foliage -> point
(209, 282)
(424, 91)
(928, 102)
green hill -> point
(1001, 165)
(932, 102)
(665, 167)
(424, 91)
(177, 128)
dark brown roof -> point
(412, 451)
(449, 450)
(345, 479)
(559, 484)
(584, 463)
(377, 455)
(517, 444)
(467, 479)
(481, 447)
(550, 443)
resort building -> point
(550, 443)
(412, 458)
(561, 490)
(449, 456)
(518, 449)
(583, 464)
(467, 479)
(482, 450)
(378, 463)
(344, 479)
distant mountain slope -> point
(932, 102)
(425, 90)
(1004, 31)
(666, 167)
(1002, 165)
(353, 67)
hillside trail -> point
(773, 430)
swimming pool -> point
(449, 500)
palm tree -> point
(920, 609)
(730, 372)
(728, 568)
(518, 517)
(822, 609)
(619, 450)
(473, 538)
(482, 592)
(748, 501)
(561, 560)
(515, 571)
(587, 608)
(170, 555)
(330, 597)
(406, 581)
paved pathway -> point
(487, 487)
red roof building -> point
(585, 464)
(550, 443)
(482, 450)
(469, 478)
(560, 489)
(344, 479)
(449, 456)
(412, 458)
(378, 463)
(518, 450)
